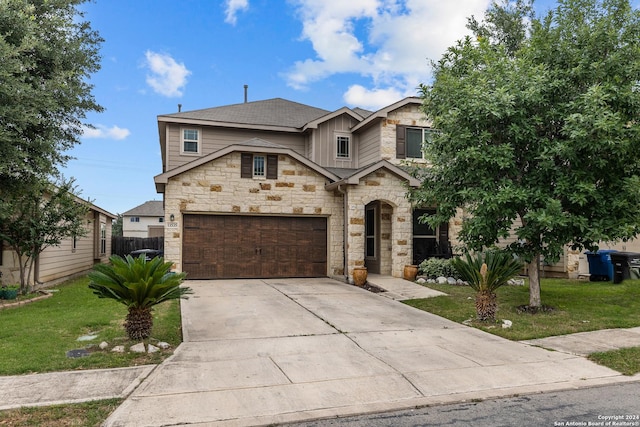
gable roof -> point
(354, 178)
(384, 112)
(256, 145)
(276, 112)
(150, 208)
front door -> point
(372, 238)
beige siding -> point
(141, 228)
(369, 145)
(325, 142)
(214, 139)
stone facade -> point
(396, 226)
(409, 115)
(217, 188)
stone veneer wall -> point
(216, 187)
(409, 115)
(386, 187)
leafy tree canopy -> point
(47, 53)
(539, 129)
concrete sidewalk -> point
(260, 352)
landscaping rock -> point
(152, 348)
(164, 345)
(431, 281)
(87, 338)
(421, 281)
(506, 324)
(138, 348)
(442, 280)
(516, 282)
(103, 345)
(118, 349)
(78, 353)
(452, 281)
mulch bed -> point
(372, 288)
(534, 310)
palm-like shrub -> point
(139, 284)
(486, 272)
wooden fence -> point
(125, 245)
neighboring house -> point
(71, 257)
(275, 188)
(146, 220)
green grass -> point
(624, 360)
(35, 337)
(579, 306)
(88, 414)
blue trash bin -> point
(600, 265)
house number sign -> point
(172, 224)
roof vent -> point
(246, 87)
(179, 108)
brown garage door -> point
(227, 246)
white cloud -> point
(388, 41)
(373, 99)
(104, 132)
(233, 7)
(167, 77)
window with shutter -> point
(259, 166)
(246, 165)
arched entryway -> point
(378, 232)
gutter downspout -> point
(345, 231)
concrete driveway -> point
(260, 352)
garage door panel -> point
(236, 246)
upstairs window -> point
(135, 219)
(410, 142)
(190, 141)
(343, 147)
(259, 166)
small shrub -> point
(436, 267)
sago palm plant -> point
(486, 272)
(139, 284)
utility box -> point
(626, 265)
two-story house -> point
(145, 220)
(275, 188)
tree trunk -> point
(534, 281)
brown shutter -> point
(401, 144)
(246, 165)
(272, 166)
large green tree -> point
(47, 54)
(539, 130)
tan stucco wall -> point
(216, 187)
(386, 187)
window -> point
(343, 143)
(161, 219)
(410, 141)
(103, 238)
(74, 244)
(135, 219)
(190, 139)
(258, 166)
(414, 143)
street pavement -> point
(259, 352)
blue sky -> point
(199, 53)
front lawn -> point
(578, 306)
(35, 337)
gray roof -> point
(270, 112)
(364, 113)
(150, 208)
